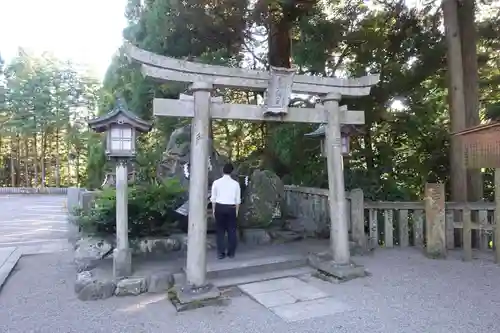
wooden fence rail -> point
(403, 224)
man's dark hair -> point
(227, 169)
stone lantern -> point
(121, 127)
(345, 132)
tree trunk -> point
(58, 161)
(35, 159)
(458, 178)
(77, 167)
(27, 178)
(13, 160)
(368, 150)
(42, 158)
(468, 36)
(280, 46)
(18, 161)
(229, 140)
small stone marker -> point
(160, 282)
(340, 271)
(185, 297)
(435, 220)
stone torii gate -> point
(278, 84)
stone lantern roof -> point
(119, 115)
(344, 129)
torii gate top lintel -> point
(170, 69)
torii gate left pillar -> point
(196, 262)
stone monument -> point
(176, 162)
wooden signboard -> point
(481, 149)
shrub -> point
(150, 210)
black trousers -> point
(225, 219)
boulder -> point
(97, 290)
(183, 240)
(285, 236)
(263, 200)
(83, 279)
(131, 286)
(160, 282)
(152, 245)
(88, 251)
(256, 236)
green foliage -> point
(150, 210)
(43, 132)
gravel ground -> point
(407, 293)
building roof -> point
(478, 128)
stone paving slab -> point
(8, 259)
(272, 285)
(310, 309)
(293, 300)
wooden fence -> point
(390, 224)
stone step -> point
(231, 267)
(239, 280)
(228, 268)
(9, 256)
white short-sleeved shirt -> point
(226, 191)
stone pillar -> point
(358, 218)
(339, 239)
(196, 264)
(435, 220)
(122, 260)
(72, 199)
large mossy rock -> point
(263, 200)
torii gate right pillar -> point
(337, 261)
(339, 242)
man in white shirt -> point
(226, 200)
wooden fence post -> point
(418, 228)
(435, 220)
(403, 228)
(467, 234)
(358, 217)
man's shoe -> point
(231, 255)
(221, 256)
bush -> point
(150, 210)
